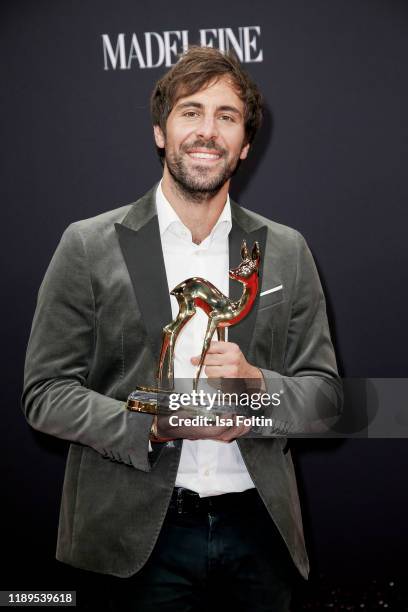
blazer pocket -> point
(271, 299)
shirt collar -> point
(169, 221)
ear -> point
(159, 136)
(244, 151)
(244, 250)
(256, 253)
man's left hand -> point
(225, 360)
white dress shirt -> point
(206, 466)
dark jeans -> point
(224, 552)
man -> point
(178, 519)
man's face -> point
(204, 138)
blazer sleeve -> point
(309, 386)
(56, 399)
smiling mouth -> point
(204, 155)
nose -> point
(207, 128)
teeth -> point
(204, 155)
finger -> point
(244, 429)
(215, 359)
(227, 436)
(226, 350)
(223, 347)
(224, 371)
(234, 431)
(237, 431)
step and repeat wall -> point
(330, 161)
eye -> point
(227, 118)
(190, 114)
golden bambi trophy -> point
(221, 311)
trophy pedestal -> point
(150, 400)
(168, 402)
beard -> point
(201, 182)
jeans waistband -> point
(184, 501)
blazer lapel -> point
(242, 229)
(139, 240)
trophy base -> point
(166, 402)
(150, 400)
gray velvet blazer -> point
(96, 334)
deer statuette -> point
(221, 311)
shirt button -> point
(207, 473)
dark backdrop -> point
(330, 161)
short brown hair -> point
(195, 69)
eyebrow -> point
(224, 107)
